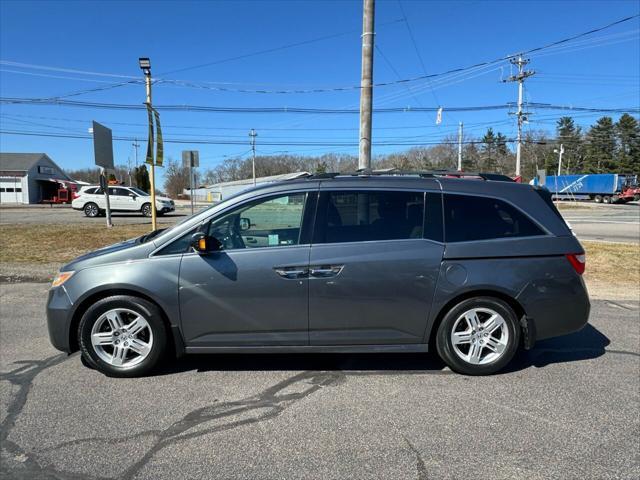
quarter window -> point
(271, 222)
(358, 216)
(470, 218)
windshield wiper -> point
(148, 236)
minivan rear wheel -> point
(122, 336)
(478, 336)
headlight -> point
(61, 277)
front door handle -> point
(325, 271)
(292, 273)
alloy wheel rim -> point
(122, 338)
(93, 210)
(480, 336)
(146, 210)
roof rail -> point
(365, 172)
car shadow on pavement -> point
(381, 363)
(586, 344)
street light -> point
(145, 65)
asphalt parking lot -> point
(567, 409)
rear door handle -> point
(326, 271)
(292, 273)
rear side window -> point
(359, 216)
(91, 191)
(470, 218)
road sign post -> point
(103, 153)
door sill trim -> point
(399, 348)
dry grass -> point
(572, 206)
(613, 269)
(41, 244)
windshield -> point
(142, 193)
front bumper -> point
(165, 209)
(59, 314)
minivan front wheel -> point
(122, 336)
(479, 336)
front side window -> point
(271, 222)
(359, 216)
(470, 218)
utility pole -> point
(135, 147)
(460, 147)
(366, 85)
(559, 152)
(145, 65)
(522, 116)
(253, 136)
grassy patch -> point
(617, 264)
(41, 244)
(572, 206)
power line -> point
(238, 142)
(415, 47)
(304, 110)
(271, 50)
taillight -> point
(75, 195)
(578, 261)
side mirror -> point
(133, 195)
(203, 244)
(245, 224)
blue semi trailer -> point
(602, 188)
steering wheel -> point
(231, 238)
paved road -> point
(64, 215)
(614, 223)
(567, 409)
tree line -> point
(605, 147)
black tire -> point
(91, 210)
(444, 343)
(146, 210)
(598, 198)
(151, 314)
(606, 199)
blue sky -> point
(60, 39)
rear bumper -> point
(59, 312)
(554, 312)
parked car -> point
(473, 268)
(90, 199)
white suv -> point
(90, 199)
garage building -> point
(30, 178)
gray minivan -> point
(473, 266)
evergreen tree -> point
(489, 151)
(141, 176)
(470, 158)
(628, 139)
(601, 147)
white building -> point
(29, 178)
(221, 191)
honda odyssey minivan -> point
(473, 267)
